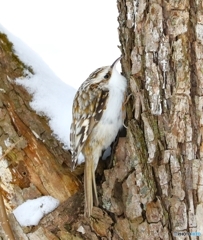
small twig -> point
(10, 148)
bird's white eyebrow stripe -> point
(95, 73)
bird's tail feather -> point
(90, 187)
(96, 202)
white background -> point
(73, 37)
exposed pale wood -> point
(4, 221)
(33, 162)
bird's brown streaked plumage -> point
(97, 117)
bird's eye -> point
(107, 76)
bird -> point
(98, 113)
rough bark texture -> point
(154, 188)
(31, 158)
(161, 42)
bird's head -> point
(103, 73)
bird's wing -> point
(88, 108)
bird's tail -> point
(90, 187)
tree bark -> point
(31, 158)
(154, 188)
(161, 42)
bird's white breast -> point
(112, 118)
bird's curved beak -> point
(115, 62)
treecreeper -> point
(98, 113)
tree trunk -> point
(154, 188)
(161, 42)
(31, 158)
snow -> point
(6, 175)
(7, 142)
(81, 229)
(64, 34)
(30, 212)
(51, 96)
